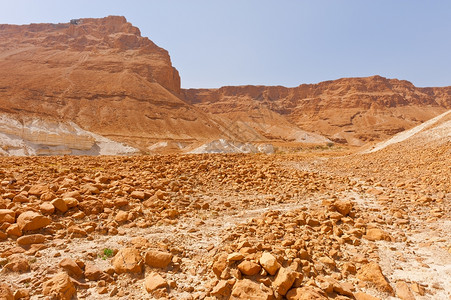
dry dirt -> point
(315, 225)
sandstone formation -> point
(101, 75)
(26, 135)
(96, 86)
(348, 110)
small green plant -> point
(107, 253)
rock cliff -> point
(103, 76)
(100, 74)
(347, 110)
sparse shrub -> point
(107, 253)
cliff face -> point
(100, 74)
(348, 110)
(103, 76)
(109, 44)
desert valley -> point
(116, 183)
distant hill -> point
(102, 76)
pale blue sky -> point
(280, 42)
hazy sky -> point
(280, 42)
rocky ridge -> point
(370, 109)
(101, 75)
(104, 77)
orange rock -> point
(284, 280)
(376, 234)
(31, 220)
(70, 202)
(222, 289)
(91, 207)
(235, 256)
(343, 206)
(364, 296)
(153, 282)
(249, 268)
(17, 263)
(77, 231)
(7, 215)
(247, 289)
(60, 205)
(122, 216)
(372, 272)
(220, 264)
(21, 198)
(127, 260)
(417, 288)
(47, 196)
(306, 293)
(92, 272)
(38, 190)
(47, 208)
(20, 294)
(31, 239)
(269, 263)
(89, 189)
(71, 267)
(14, 230)
(59, 286)
(138, 195)
(403, 291)
(158, 259)
(5, 292)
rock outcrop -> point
(348, 110)
(27, 135)
(100, 74)
(103, 77)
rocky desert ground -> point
(319, 224)
(116, 183)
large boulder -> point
(31, 239)
(127, 260)
(31, 220)
(71, 267)
(249, 268)
(17, 263)
(158, 259)
(372, 273)
(269, 263)
(59, 286)
(154, 281)
(306, 293)
(249, 290)
(284, 280)
(7, 215)
(5, 292)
